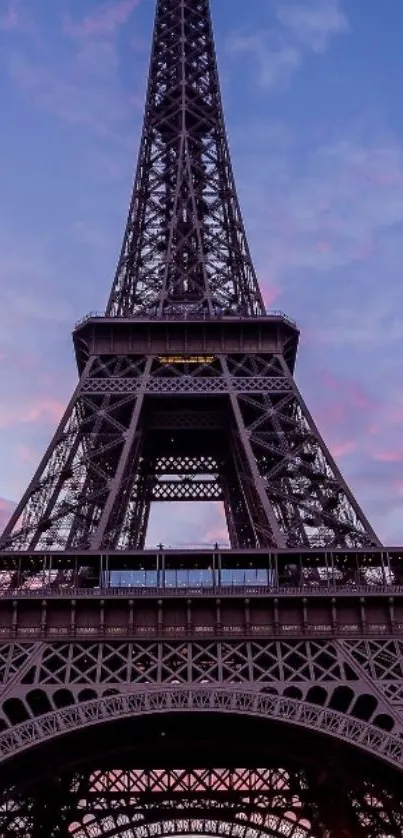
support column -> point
(277, 538)
(117, 483)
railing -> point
(187, 316)
(89, 316)
(328, 590)
(198, 631)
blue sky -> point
(312, 93)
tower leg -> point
(335, 815)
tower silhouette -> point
(135, 682)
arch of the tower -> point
(46, 727)
(100, 765)
(121, 819)
(115, 823)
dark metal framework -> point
(185, 246)
(232, 802)
(284, 650)
(132, 434)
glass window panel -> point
(226, 577)
(151, 578)
(136, 578)
(206, 578)
(182, 578)
(238, 577)
(170, 579)
(199, 578)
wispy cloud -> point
(276, 59)
(6, 508)
(9, 16)
(187, 523)
(330, 230)
(104, 22)
(301, 28)
(39, 410)
(313, 24)
(82, 84)
(27, 273)
(363, 431)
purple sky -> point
(312, 92)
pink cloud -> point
(109, 17)
(6, 508)
(217, 535)
(396, 414)
(333, 414)
(351, 391)
(10, 18)
(27, 454)
(41, 410)
(218, 531)
(323, 247)
(270, 295)
(49, 409)
(387, 177)
(388, 456)
(364, 250)
(342, 449)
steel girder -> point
(184, 247)
(350, 689)
(120, 447)
(286, 800)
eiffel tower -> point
(241, 692)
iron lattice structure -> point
(185, 246)
(135, 682)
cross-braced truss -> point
(137, 438)
(234, 803)
(338, 676)
(184, 247)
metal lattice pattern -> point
(62, 506)
(290, 711)
(322, 672)
(13, 657)
(188, 384)
(382, 660)
(280, 485)
(184, 245)
(278, 803)
(263, 662)
(312, 504)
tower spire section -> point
(184, 248)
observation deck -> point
(202, 592)
(97, 334)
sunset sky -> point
(313, 97)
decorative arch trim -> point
(386, 746)
(219, 827)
